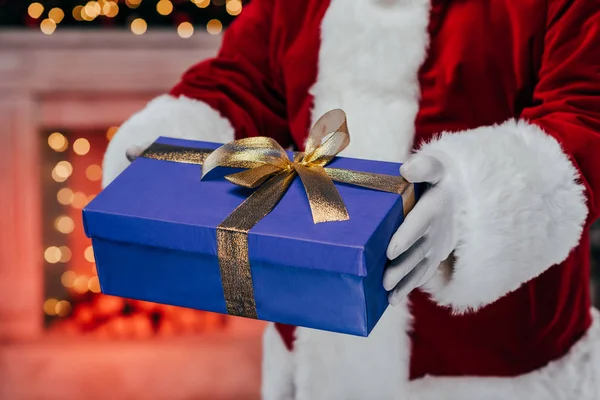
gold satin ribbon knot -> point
(270, 171)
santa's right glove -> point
(428, 235)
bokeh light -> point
(35, 10)
(52, 255)
(64, 196)
(110, 9)
(214, 27)
(93, 172)
(84, 13)
(64, 224)
(185, 30)
(62, 171)
(58, 142)
(81, 146)
(164, 7)
(234, 7)
(77, 13)
(68, 279)
(50, 306)
(79, 200)
(110, 132)
(56, 15)
(48, 26)
(65, 254)
(201, 3)
(138, 26)
(63, 308)
(81, 284)
(133, 3)
(89, 254)
(94, 284)
(91, 10)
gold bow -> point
(270, 171)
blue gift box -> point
(153, 231)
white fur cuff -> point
(169, 116)
(522, 211)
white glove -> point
(427, 236)
(133, 152)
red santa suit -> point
(515, 86)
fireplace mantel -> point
(73, 64)
(69, 80)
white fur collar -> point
(371, 51)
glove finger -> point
(409, 283)
(422, 168)
(427, 276)
(133, 152)
(415, 225)
(404, 264)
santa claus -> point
(496, 104)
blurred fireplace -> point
(70, 177)
(61, 99)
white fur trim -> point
(169, 116)
(576, 376)
(334, 366)
(523, 210)
(370, 70)
(277, 367)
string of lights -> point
(73, 304)
(139, 16)
(70, 199)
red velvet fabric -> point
(287, 335)
(488, 61)
(538, 64)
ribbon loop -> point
(326, 152)
(333, 122)
(247, 153)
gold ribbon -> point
(270, 171)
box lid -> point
(164, 204)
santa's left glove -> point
(428, 235)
